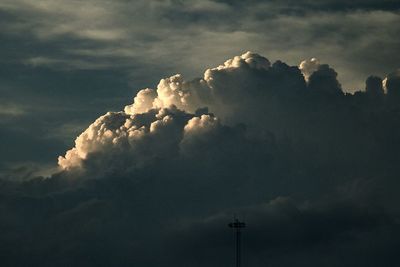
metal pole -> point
(237, 247)
(237, 225)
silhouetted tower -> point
(237, 225)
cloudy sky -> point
(132, 131)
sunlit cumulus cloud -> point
(174, 111)
(246, 90)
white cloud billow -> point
(168, 121)
(159, 120)
(191, 95)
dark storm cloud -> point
(115, 222)
(281, 228)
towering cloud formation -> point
(235, 91)
(174, 112)
(249, 90)
(314, 170)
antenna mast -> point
(237, 225)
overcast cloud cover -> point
(164, 127)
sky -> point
(132, 131)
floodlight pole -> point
(237, 226)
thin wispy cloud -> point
(161, 31)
